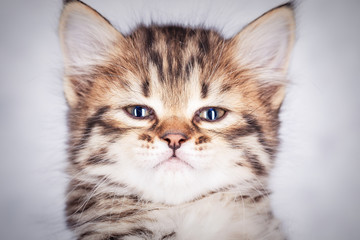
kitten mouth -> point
(174, 163)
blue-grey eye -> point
(138, 111)
(211, 114)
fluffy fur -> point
(123, 185)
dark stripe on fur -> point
(202, 139)
(83, 201)
(239, 132)
(78, 185)
(204, 44)
(204, 90)
(251, 128)
(67, 1)
(149, 38)
(179, 66)
(90, 124)
(208, 194)
(251, 121)
(142, 233)
(95, 120)
(225, 88)
(258, 198)
(170, 63)
(253, 124)
(146, 87)
(189, 66)
(145, 137)
(200, 61)
(270, 150)
(86, 234)
(257, 167)
(110, 217)
(92, 121)
(98, 159)
(239, 164)
(157, 60)
(175, 34)
(109, 129)
(241, 198)
(154, 125)
(169, 236)
(79, 204)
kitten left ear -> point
(265, 45)
(87, 40)
(86, 37)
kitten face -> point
(168, 113)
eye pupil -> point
(139, 111)
(212, 114)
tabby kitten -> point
(173, 130)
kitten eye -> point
(211, 114)
(140, 112)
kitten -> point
(173, 130)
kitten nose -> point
(174, 139)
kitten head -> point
(171, 113)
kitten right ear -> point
(266, 44)
(87, 39)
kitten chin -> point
(173, 130)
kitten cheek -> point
(149, 157)
(196, 158)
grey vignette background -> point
(316, 182)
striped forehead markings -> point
(190, 66)
(204, 89)
(146, 87)
(172, 50)
(157, 60)
(149, 38)
(204, 44)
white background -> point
(316, 182)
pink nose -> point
(174, 139)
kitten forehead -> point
(174, 55)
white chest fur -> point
(219, 216)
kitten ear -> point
(87, 39)
(265, 45)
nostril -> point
(167, 139)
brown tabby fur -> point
(175, 64)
